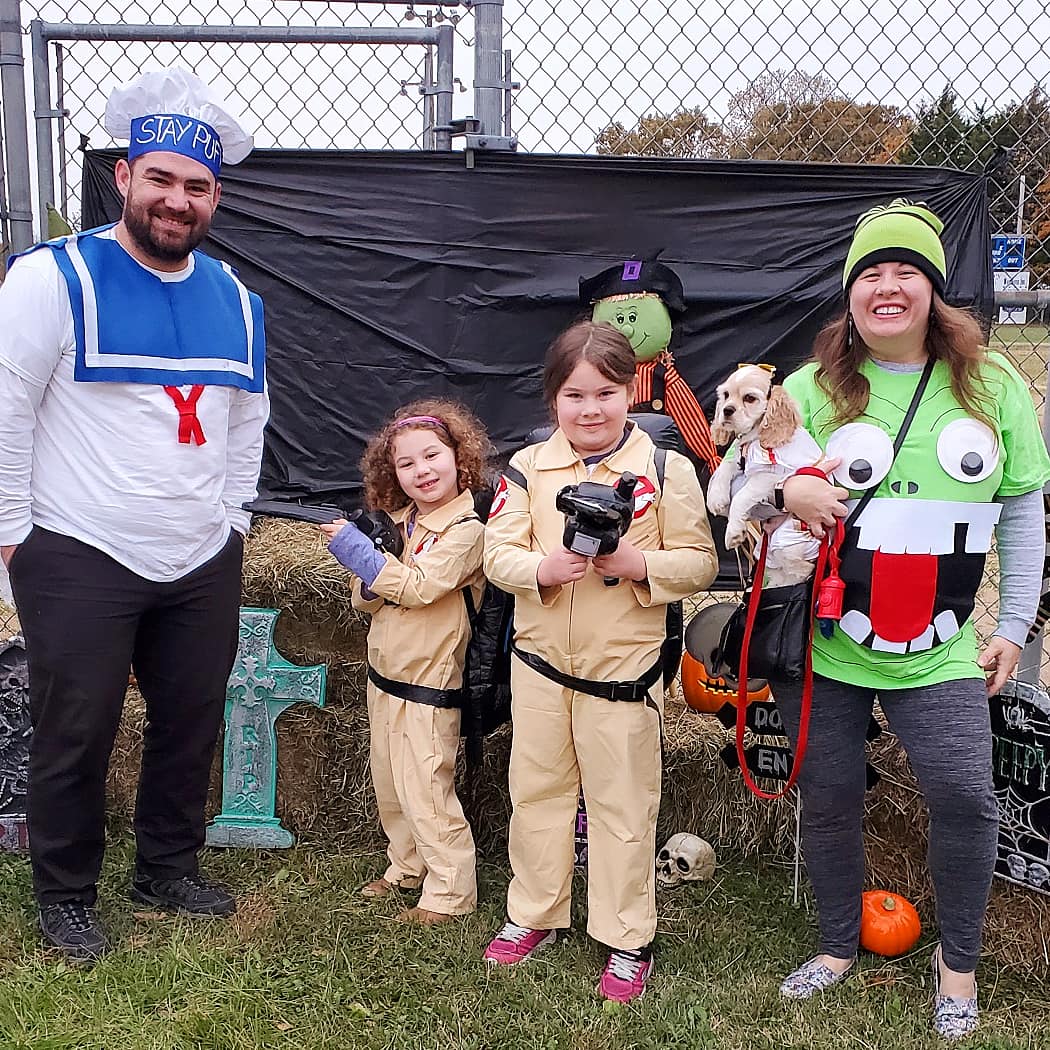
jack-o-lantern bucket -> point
(705, 684)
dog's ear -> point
(781, 419)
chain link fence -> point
(882, 81)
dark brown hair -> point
(600, 344)
(954, 336)
(457, 429)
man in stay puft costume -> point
(132, 407)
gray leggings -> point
(946, 733)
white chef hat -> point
(174, 110)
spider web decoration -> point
(1020, 717)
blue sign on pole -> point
(1008, 252)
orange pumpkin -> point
(707, 694)
(889, 924)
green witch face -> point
(643, 319)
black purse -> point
(779, 635)
(781, 632)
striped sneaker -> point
(514, 944)
(625, 974)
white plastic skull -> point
(684, 858)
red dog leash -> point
(827, 606)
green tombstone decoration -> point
(262, 686)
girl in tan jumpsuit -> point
(575, 638)
(420, 468)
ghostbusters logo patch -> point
(644, 496)
(425, 545)
(499, 498)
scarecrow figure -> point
(637, 297)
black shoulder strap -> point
(472, 610)
(899, 440)
(660, 459)
(517, 477)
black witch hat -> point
(635, 277)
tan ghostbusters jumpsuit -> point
(419, 636)
(564, 737)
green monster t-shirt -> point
(914, 559)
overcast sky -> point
(582, 63)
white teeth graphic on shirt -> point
(930, 526)
(918, 527)
(858, 627)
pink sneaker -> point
(514, 944)
(625, 974)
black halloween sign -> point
(1021, 771)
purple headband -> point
(409, 421)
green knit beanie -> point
(900, 232)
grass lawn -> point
(308, 964)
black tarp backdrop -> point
(389, 276)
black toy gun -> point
(377, 525)
(596, 516)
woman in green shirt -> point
(972, 462)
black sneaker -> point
(73, 928)
(190, 895)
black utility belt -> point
(416, 694)
(636, 691)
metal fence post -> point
(44, 114)
(444, 87)
(488, 65)
(16, 127)
(1030, 665)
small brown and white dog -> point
(769, 444)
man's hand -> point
(561, 566)
(625, 563)
(7, 552)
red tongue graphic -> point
(903, 589)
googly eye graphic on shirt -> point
(866, 453)
(644, 496)
(967, 450)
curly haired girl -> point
(420, 468)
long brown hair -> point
(603, 346)
(953, 336)
(454, 426)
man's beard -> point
(172, 249)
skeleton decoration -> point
(684, 858)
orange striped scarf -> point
(681, 406)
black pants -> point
(946, 732)
(86, 620)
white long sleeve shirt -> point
(101, 462)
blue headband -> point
(175, 133)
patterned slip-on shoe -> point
(811, 977)
(514, 944)
(954, 1016)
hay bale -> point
(324, 793)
